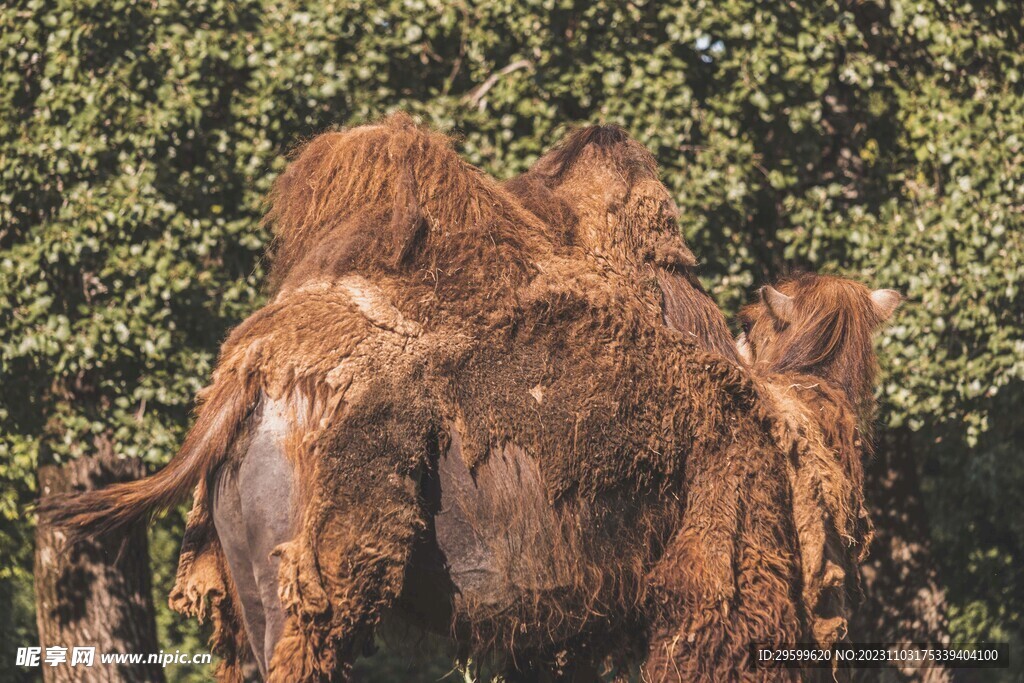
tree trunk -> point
(96, 594)
(904, 599)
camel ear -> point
(779, 305)
(885, 302)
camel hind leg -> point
(337, 580)
(363, 514)
(253, 510)
(228, 518)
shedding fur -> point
(586, 319)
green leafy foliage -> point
(880, 139)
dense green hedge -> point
(881, 139)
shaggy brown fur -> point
(810, 341)
(487, 419)
(359, 200)
(669, 501)
(601, 188)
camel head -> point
(818, 325)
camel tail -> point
(87, 514)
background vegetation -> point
(878, 138)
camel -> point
(421, 421)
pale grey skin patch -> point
(253, 512)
